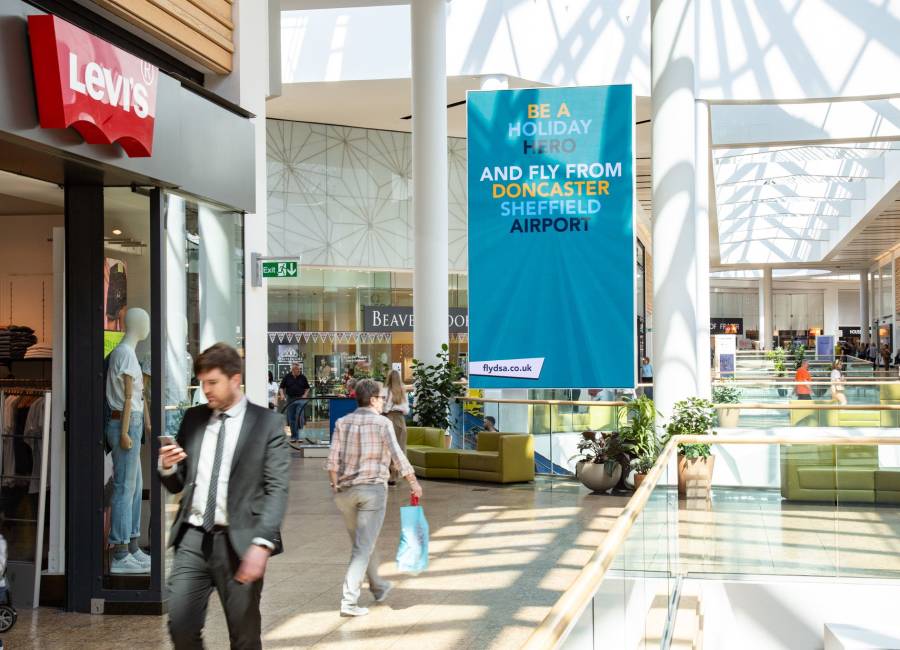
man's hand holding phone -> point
(169, 452)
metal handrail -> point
(548, 402)
(565, 613)
(807, 405)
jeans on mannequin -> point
(127, 480)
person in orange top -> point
(803, 389)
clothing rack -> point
(23, 388)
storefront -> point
(340, 322)
(123, 189)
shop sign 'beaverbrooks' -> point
(105, 93)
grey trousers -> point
(204, 562)
(399, 422)
(363, 508)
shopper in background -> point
(295, 389)
(837, 383)
(886, 356)
(490, 424)
(396, 408)
(362, 450)
(802, 377)
(272, 388)
(647, 376)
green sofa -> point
(801, 417)
(499, 457)
(837, 474)
(545, 418)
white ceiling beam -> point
(747, 192)
(813, 169)
(771, 251)
(812, 122)
(788, 221)
(828, 208)
(769, 233)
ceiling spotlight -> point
(117, 231)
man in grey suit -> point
(230, 463)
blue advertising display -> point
(825, 347)
(551, 238)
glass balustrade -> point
(813, 513)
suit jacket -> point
(258, 479)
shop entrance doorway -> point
(32, 383)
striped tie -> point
(209, 515)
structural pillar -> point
(766, 320)
(702, 199)
(675, 266)
(864, 320)
(429, 174)
(831, 313)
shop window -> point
(127, 317)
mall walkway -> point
(500, 557)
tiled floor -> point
(500, 557)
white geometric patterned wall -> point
(341, 196)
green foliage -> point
(607, 450)
(726, 394)
(639, 436)
(778, 357)
(435, 385)
(693, 416)
(799, 351)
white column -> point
(832, 314)
(675, 301)
(248, 86)
(766, 320)
(864, 320)
(429, 174)
(702, 198)
(178, 365)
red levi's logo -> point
(105, 93)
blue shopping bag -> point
(412, 554)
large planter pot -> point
(594, 476)
(693, 469)
(638, 479)
(728, 418)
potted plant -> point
(778, 357)
(599, 467)
(642, 465)
(727, 394)
(434, 386)
(693, 417)
(639, 437)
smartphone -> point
(166, 440)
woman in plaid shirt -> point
(362, 449)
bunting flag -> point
(281, 337)
(271, 337)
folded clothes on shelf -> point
(15, 341)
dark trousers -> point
(203, 562)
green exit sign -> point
(277, 269)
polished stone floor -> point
(500, 557)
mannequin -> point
(128, 424)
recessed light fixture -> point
(117, 231)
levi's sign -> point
(104, 93)
(401, 319)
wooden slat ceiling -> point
(202, 30)
(874, 240)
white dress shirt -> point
(233, 424)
